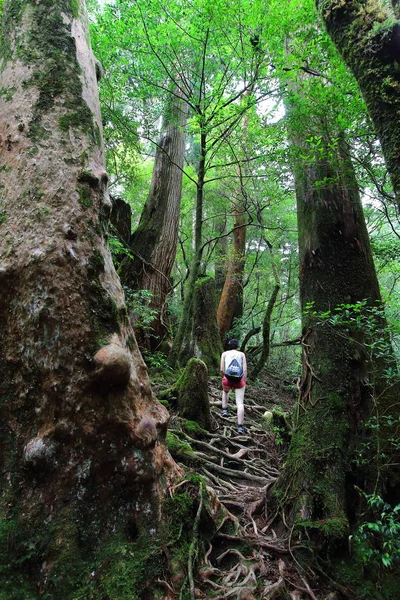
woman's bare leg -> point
(225, 398)
(239, 393)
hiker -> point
(234, 374)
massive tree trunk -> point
(366, 33)
(340, 387)
(231, 301)
(81, 432)
(154, 242)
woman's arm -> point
(244, 366)
(222, 365)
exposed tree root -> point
(246, 559)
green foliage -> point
(119, 250)
(157, 362)
(193, 429)
(378, 541)
(139, 306)
(362, 318)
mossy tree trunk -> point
(121, 219)
(190, 393)
(120, 227)
(153, 244)
(339, 386)
(81, 433)
(366, 33)
(203, 340)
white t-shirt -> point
(229, 355)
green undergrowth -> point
(364, 583)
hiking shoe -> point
(240, 429)
(224, 412)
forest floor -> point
(253, 558)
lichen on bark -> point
(366, 34)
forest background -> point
(282, 54)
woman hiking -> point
(234, 373)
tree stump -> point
(190, 393)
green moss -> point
(180, 450)
(124, 564)
(192, 428)
(125, 571)
(206, 333)
(26, 546)
(190, 393)
(81, 119)
(75, 8)
(7, 93)
(33, 151)
(331, 528)
(49, 47)
(37, 132)
(3, 217)
(85, 195)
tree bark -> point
(190, 393)
(220, 255)
(366, 34)
(81, 432)
(231, 301)
(204, 341)
(154, 242)
(121, 219)
(339, 387)
(233, 286)
(266, 333)
(179, 353)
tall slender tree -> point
(153, 244)
(233, 286)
